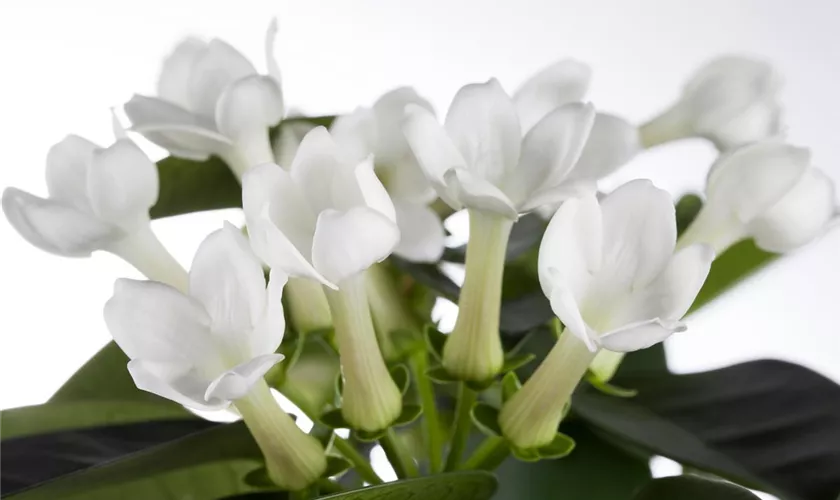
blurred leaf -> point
(168, 459)
(486, 418)
(429, 275)
(193, 186)
(692, 488)
(686, 210)
(648, 361)
(595, 470)
(525, 235)
(464, 485)
(766, 424)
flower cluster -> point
(325, 206)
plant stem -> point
(463, 423)
(401, 461)
(434, 437)
(360, 463)
(489, 455)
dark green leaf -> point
(336, 465)
(258, 478)
(692, 488)
(517, 361)
(435, 341)
(409, 414)
(138, 461)
(334, 419)
(525, 234)
(486, 418)
(430, 276)
(369, 436)
(510, 386)
(523, 455)
(464, 485)
(686, 211)
(648, 361)
(400, 375)
(560, 447)
(525, 313)
(766, 424)
(595, 470)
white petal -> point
(175, 382)
(671, 294)
(217, 67)
(549, 152)
(389, 111)
(174, 128)
(153, 321)
(270, 59)
(639, 235)
(799, 217)
(288, 140)
(639, 335)
(612, 143)
(228, 280)
(483, 124)
(280, 223)
(67, 171)
(235, 383)
(317, 161)
(355, 134)
(566, 308)
(173, 84)
(751, 179)
(268, 332)
(347, 243)
(761, 120)
(561, 83)
(435, 152)
(249, 105)
(122, 184)
(571, 245)
(475, 192)
(422, 237)
(54, 227)
(361, 189)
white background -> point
(65, 63)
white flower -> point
(610, 270)
(768, 191)
(377, 131)
(731, 101)
(480, 159)
(212, 101)
(99, 199)
(208, 348)
(613, 279)
(328, 218)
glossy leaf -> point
(464, 485)
(766, 424)
(692, 488)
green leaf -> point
(755, 423)
(517, 361)
(258, 478)
(686, 211)
(400, 375)
(205, 464)
(334, 419)
(692, 488)
(595, 470)
(525, 455)
(409, 414)
(369, 436)
(406, 342)
(510, 386)
(463, 485)
(479, 386)
(52, 417)
(336, 465)
(731, 267)
(430, 276)
(435, 340)
(486, 418)
(525, 234)
(439, 375)
(560, 447)
(609, 389)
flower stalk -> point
(294, 460)
(371, 400)
(473, 350)
(143, 250)
(531, 417)
(307, 306)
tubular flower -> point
(730, 101)
(212, 101)
(328, 219)
(768, 191)
(99, 199)
(211, 347)
(613, 279)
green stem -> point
(401, 461)
(463, 423)
(489, 455)
(434, 437)
(360, 463)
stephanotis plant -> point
(553, 382)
